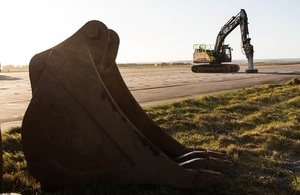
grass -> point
(258, 128)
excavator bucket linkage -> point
(84, 126)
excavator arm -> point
(242, 20)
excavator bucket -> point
(84, 126)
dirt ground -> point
(149, 86)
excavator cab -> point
(226, 53)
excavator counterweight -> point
(215, 55)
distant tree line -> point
(154, 64)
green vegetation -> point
(258, 128)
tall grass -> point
(258, 128)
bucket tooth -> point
(205, 160)
(84, 126)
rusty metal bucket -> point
(84, 126)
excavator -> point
(214, 55)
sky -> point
(149, 30)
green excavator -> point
(210, 58)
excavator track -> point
(215, 68)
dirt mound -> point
(294, 81)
